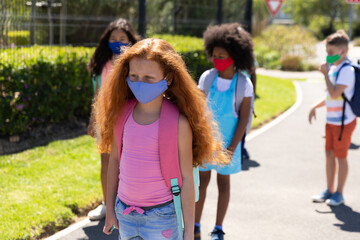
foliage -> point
(182, 43)
(19, 37)
(291, 63)
(260, 17)
(323, 16)
(278, 42)
(46, 85)
(43, 84)
(356, 42)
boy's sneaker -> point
(197, 234)
(98, 213)
(217, 234)
(335, 200)
(322, 197)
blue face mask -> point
(147, 92)
(116, 46)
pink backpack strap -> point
(168, 142)
(119, 128)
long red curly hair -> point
(183, 91)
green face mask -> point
(333, 58)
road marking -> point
(292, 109)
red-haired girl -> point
(151, 75)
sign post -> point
(274, 6)
(351, 14)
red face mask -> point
(222, 64)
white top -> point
(334, 107)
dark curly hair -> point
(235, 40)
(102, 52)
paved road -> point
(271, 198)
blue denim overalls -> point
(222, 105)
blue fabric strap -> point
(196, 182)
(175, 189)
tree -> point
(319, 12)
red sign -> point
(274, 6)
(353, 1)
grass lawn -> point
(45, 187)
(42, 187)
(275, 95)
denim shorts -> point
(155, 224)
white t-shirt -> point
(223, 84)
(334, 107)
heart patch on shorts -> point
(167, 233)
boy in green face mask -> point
(340, 79)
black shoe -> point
(197, 234)
(245, 154)
(217, 234)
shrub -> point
(19, 38)
(42, 85)
(356, 41)
(48, 85)
(291, 63)
(278, 42)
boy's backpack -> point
(169, 156)
(354, 102)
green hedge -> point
(47, 85)
(42, 85)
(21, 38)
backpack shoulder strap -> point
(169, 156)
(344, 102)
(240, 90)
(208, 77)
(120, 123)
(338, 73)
(168, 142)
(96, 81)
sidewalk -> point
(271, 197)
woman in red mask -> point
(230, 97)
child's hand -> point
(312, 114)
(110, 223)
(230, 151)
(324, 68)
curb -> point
(69, 229)
(277, 120)
(252, 135)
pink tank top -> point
(108, 67)
(140, 180)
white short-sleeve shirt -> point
(334, 107)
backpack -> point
(96, 82)
(354, 102)
(168, 144)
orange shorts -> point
(332, 134)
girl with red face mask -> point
(230, 97)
